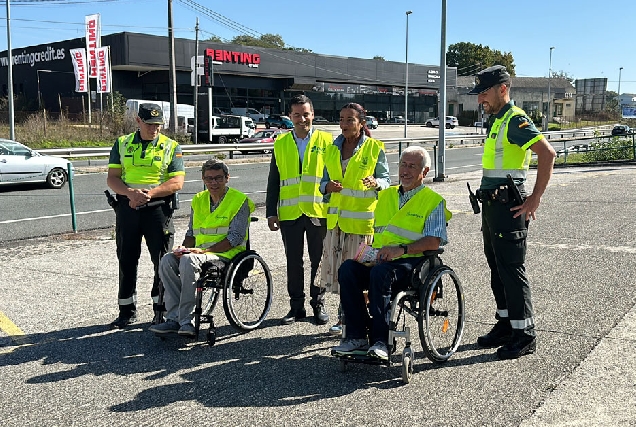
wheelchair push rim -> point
(441, 321)
(247, 293)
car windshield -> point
(13, 148)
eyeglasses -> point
(218, 179)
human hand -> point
(333, 187)
(272, 223)
(137, 197)
(389, 253)
(528, 208)
(370, 182)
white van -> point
(253, 113)
(184, 111)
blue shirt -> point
(381, 173)
(301, 143)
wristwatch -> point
(405, 247)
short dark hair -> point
(300, 100)
(362, 115)
(215, 165)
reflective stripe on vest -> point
(151, 170)
(212, 227)
(300, 192)
(500, 157)
(352, 208)
(404, 225)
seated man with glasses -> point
(218, 231)
(409, 220)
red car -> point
(263, 136)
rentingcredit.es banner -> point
(93, 41)
(81, 71)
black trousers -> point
(293, 233)
(153, 224)
(505, 250)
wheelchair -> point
(246, 285)
(435, 298)
(247, 289)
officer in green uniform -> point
(504, 222)
(146, 170)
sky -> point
(591, 39)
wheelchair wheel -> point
(247, 295)
(441, 318)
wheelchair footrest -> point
(360, 356)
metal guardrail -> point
(553, 136)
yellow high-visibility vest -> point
(300, 190)
(152, 169)
(500, 157)
(352, 208)
(212, 227)
(404, 226)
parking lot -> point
(61, 365)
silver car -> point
(20, 164)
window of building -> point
(530, 106)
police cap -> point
(151, 114)
(490, 77)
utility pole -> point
(172, 72)
(196, 84)
(10, 76)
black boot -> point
(519, 345)
(499, 335)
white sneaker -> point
(349, 345)
(379, 350)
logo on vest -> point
(316, 149)
(415, 215)
(157, 159)
(130, 149)
(364, 162)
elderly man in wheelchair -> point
(410, 226)
(217, 233)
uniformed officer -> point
(295, 204)
(504, 222)
(145, 169)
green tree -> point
(469, 58)
(563, 75)
(274, 41)
(611, 102)
(379, 58)
(213, 38)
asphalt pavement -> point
(61, 365)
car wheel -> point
(448, 126)
(429, 124)
(267, 125)
(56, 178)
(222, 139)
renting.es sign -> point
(93, 41)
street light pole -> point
(406, 78)
(547, 121)
(620, 107)
(10, 76)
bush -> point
(614, 148)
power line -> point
(217, 17)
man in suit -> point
(295, 205)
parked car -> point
(320, 120)
(620, 130)
(451, 122)
(576, 148)
(276, 120)
(397, 119)
(263, 136)
(20, 164)
(372, 122)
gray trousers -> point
(179, 277)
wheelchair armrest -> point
(434, 252)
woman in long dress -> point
(356, 170)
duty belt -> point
(501, 194)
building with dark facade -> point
(244, 76)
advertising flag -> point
(93, 41)
(81, 71)
(103, 69)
